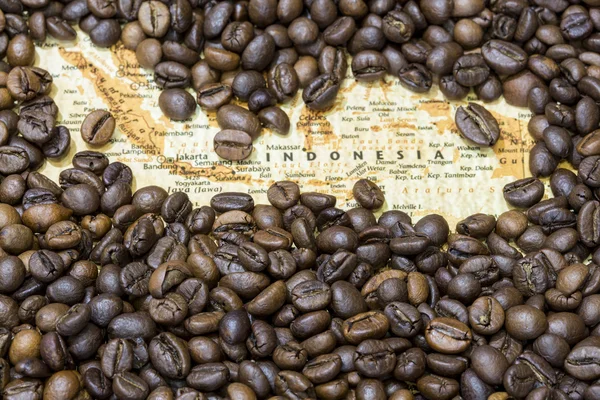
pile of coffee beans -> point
(542, 54)
(110, 293)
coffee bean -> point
(333, 61)
(416, 78)
(213, 96)
(276, 119)
(170, 356)
(233, 145)
(13, 160)
(98, 127)
(369, 65)
(232, 117)
(447, 335)
(321, 92)
(477, 124)
(503, 57)
(177, 104)
(154, 18)
(524, 192)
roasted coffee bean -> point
(171, 74)
(447, 335)
(36, 127)
(260, 99)
(246, 82)
(234, 117)
(13, 160)
(503, 57)
(437, 386)
(154, 18)
(321, 92)
(524, 193)
(515, 324)
(333, 61)
(477, 124)
(470, 70)
(276, 119)
(177, 104)
(416, 78)
(369, 65)
(283, 81)
(23, 84)
(212, 96)
(233, 145)
(98, 128)
(170, 356)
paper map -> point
(407, 143)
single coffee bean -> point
(448, 336)
(233, 145)
(369, 65)
(321, 92)
(176, 104)
(477, 124)
(276, 119)
(213, 96)
(524, 193)
(98, 127)
(416, 78)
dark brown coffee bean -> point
(477, 124)
(448, 336)
(524, 192)
(177, 104)
(98, 127)
(321, 92)
(416, 78)
(233, 117)
(233, 145)
(470, 70)
(503, 57)
(212, 96)
(369, 65)
(13, 160)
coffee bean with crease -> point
(477, 124)
(369, 65)
(416, 78)
(283, 82)
(170, 356)
(13, 160)
(60, 29)
(470, 70)
(321, 92)
(213, 96)
(333, 61)
(405, 319)
(448, 336)
(23, 84)
(524, 192)
(233, 145)
(37, 127)
(98, 127)
(171, 74)
(503, 57)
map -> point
(405, 142)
